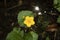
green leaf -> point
(58, 8)
(47, 38)
(34, 35)
(21, 16)
(31, 36)
(58, 19)
(16, 34)
(28, 36)
(57, 4)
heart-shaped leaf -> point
(31, 36)
(16, 34)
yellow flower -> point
(29, 21)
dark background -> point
(10, 8)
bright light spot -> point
(44, 11)
(37, 8)
(39, 13)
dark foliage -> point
(10, 8)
